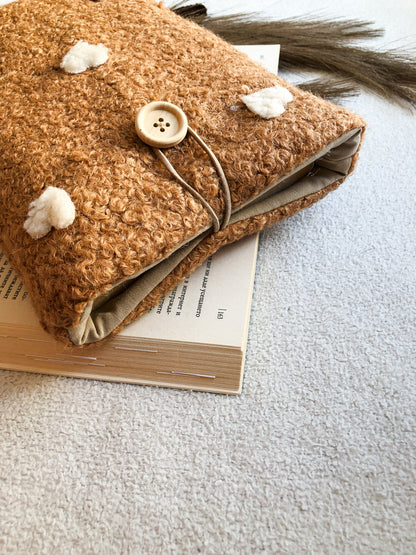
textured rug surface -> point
(318, 453)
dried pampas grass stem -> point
(390, 74)
(330, 88)
(323, 45)
(192, 11)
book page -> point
(211, 305)
(15, 305)
(11, 286)
(266, 55)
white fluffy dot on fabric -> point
(84, 56)
(54, 208)
(268, 103)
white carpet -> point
(318, 453)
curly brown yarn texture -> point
(77, 132)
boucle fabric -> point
(77, 132)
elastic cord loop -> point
(188, 187)
(227, 194)
(226, 188)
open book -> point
(195, 339)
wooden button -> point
(161, 124)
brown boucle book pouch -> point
(137, 230)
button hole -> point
(155, 125)
(167, 124)
(162, 129)
(160, 119)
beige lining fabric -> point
(107, 311)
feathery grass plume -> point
(330, 88)
(246, 29)
(324, 45)
(390, 74)
(192, 11)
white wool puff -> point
(54, 208)
(268, 103)
(84, 56)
